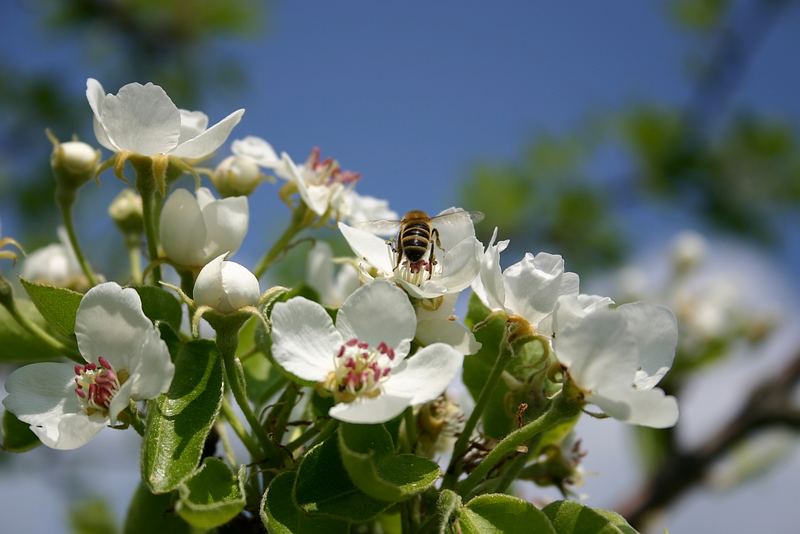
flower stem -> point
(309, 433)
(297, 224)
(461, 444)
(65, 201)
(251, 446)
(227, 341)
(135, 418)
(146, 185)
(561, 410)
(9, 303)
(135, 262)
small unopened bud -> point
(126, 210)
(226, 286)
(73, 163)
(237, 176)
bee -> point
(417, 238)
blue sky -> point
(413, 94)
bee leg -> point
(398, 252)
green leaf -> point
(92, 516)
(213, 496)
(497, 420)
(323, 486)
(502, 514)
(281, 515)
(57, 305)
(159, 305)
(570, 517)
(153, 513)
(19, 346)
(179, 421)
(368, 456)
(17, 436)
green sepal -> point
(323, 486)
(368, 456)
(179, 421)
(58, 305)
(502, 514)
(213, 495)
(281, 515)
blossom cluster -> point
(379, 339)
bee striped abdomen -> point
(414, 240)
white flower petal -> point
(110, 323)
(207, 142)
(319, 269)
(598, 351)
(368, 246)
(533, 285)
(460, 266)
(50, 264)
(370, 411)
(489, 284)
(226, 222)
(256, 149)
(153, 374)
(193, 123)
(208, 290)
(142, 119)
(454, 228)
(182, 230)
(95, 94)
(648, 408)
(240, 286)
(43, 395)
(304, 340)
(121, 400)
(656, 332)
(453, 333)
(358, 208)
(424, 376)
(379, 311)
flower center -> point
(359, 370)
(96, 385)
(328, 172)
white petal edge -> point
(304, 340)
(370, 411)
(210, 140)
(376, 312)
(424, 376)
(368, 246)
(182, 229)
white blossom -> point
(240, 173)
(196, 228)
(66, 405)
(356, 208)
(142, 119)
(321, 183)
(362, 359)
(530, 288)
(457, 262)
(617, 356)
(437, 323)
(226, 286)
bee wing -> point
(455, 213)
(378, 226)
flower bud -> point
(237, 176)
(126, 211)
(226, 286)
(73, 163)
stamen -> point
(96, 386)
(358, 370)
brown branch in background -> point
(769, 405)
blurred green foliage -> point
(734, 170)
